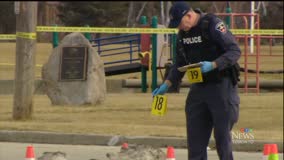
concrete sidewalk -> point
(110, 140)
(16, 151)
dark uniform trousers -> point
(208, 106)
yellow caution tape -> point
(26, 35)
(7, 36)
(275, 32)
(10, 64)
(148, 30)
(6, 64)
(128, 30)
(106, 30)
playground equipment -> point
(153, 44)
(149, 45)
(137, 44)
(246, 40)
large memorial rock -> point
(74, 73)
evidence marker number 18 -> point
(159, 105)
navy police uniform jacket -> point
(209, 40)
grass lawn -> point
(130, 114)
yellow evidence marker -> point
(194, 75)
(159, 105)
(193, 72)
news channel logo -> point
(243, 136)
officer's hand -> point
(161, 90)
(206, 66)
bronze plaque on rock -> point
(73, 63)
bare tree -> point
(141, 11)
(169, 4)
(215, 7)
(130, 13)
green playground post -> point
(154, 53)
(87, 35)
(55, 38)
(143, 21)
(228, 18)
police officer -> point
(213, 103)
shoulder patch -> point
(221, 27)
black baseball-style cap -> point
(177, 11)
